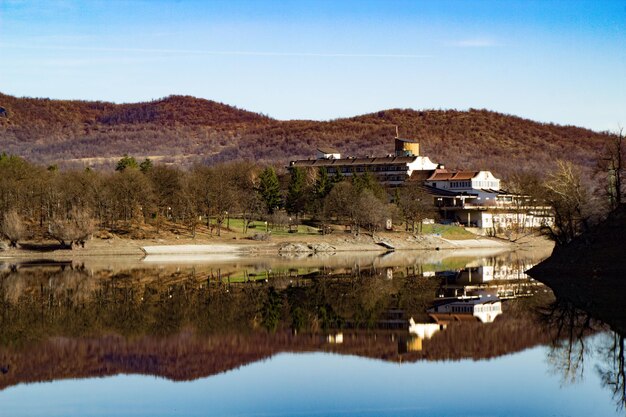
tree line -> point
(70, 205)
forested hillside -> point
(188, 130)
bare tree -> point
(132, 195)
(340, 203)
(223, 189)
(75, 228)
(190, 210)
(415, 205)
(279, 220)
(251, 208)
(370, 212)
(13, 228)
(614, 166)
(569, 199)
(167, 186)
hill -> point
(187, 130)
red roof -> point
(445, 175)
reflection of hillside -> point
(188, 355)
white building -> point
(475, 199)
(481, 184)
(392, 169)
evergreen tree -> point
(323, 184)
(126, 162)
(269, 188)
(367, 181)
(296, 197)
(146, 165)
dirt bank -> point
(231, 243)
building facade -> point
(475, 199)
(393, 169)
(470, 198)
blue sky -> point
(552, 61)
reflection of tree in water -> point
(69, 323)
(613, 372)
(272, 310)
(570, 326)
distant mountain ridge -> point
(188, 130)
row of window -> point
(382, 176)
(383, 168)
(486, 184)
(469, 184)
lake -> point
(407, 333)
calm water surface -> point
(405, 334)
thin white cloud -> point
(211, 52)
(473, 43)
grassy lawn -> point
(447, 231)
(447, 264)
(259, 227)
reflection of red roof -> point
(445, 318)
(445, 175)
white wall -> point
(485, 179)
(321, 155)
(421, 163)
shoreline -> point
(381, 243)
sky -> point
(552, 61)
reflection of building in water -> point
(424, 330)
(475, 275)
(390, 319)
(486, 273)
(505, 281)
(420, 332)
(484, 307)
(336, 338)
